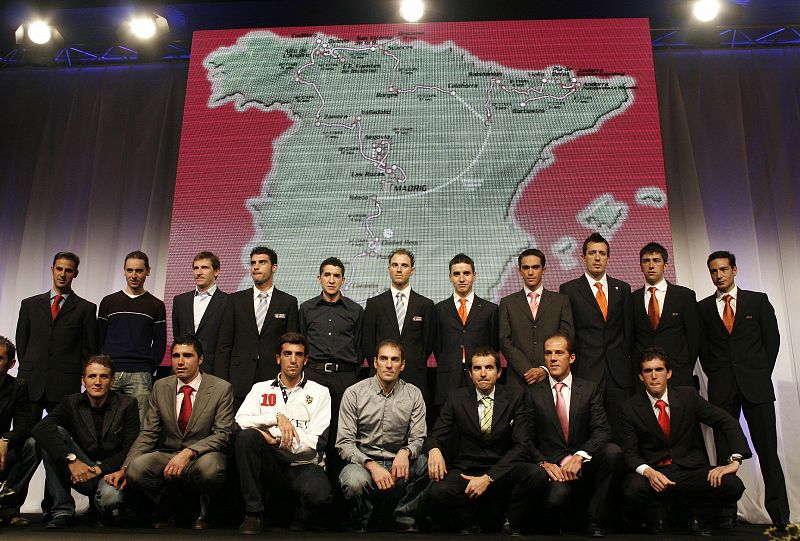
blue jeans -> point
(135, 384)
(20, 467)
(105, 497)
(359, 490)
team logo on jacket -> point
(309, 399)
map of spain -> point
(397, 140)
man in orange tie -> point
(602, 328)
(665, 315)
(738, 350)
(466, 322)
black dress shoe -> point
(595, 530)
(510, 529)
(405, 527)
(60, 522)
(200, 523)
(251, 525)
(469, 530)
(163, 523)
(697, 528)
(727, 523)
(657, 527)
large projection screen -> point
(483, 137)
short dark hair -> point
(67, 255)
(654, 248)
(595, 237)
(651, 354)
(402, 251)
(11, 349)
(292, 338)
(721, 254)
(566, 338)
(532, 251)
(102, 360)
(207, 255)
(393, 343)
(334, 261)
(264, 250)
(485, 351)
(138, 254)
(188, 339)
(462, 258)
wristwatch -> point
(71, 457)
(735, 458)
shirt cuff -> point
(641, 469)
(543, 367)
(586, 456)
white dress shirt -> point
(640, 470)
(194, 384)
(257, 301)
(661, 294)
(566, 392)
(479, 396)
(734, 293)
(469, 298)
(592, 282)
(201, 301)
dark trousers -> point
(613, 398)
(261, 472)
(761, 423)
(598, 477)
(691, 489)
(21, 464)
(514, 494)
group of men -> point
(279, 406)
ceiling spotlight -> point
(144, 28)
(412, 10)
(39, 32)
(706, 10)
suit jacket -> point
(456, 341)
(678, 331)
(510, 437)
(601, 346)
(522, 338)
(644, 442)
(588, 426)
(74, 414)
(745, 358)
(208, 329)
(417, 338)
(245, 357)
(15, 409)
(51, 353)
(210, 426)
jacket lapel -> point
(111, 413)
(648, 416)
(69, 305)
(200, 402)
(524, 307)
(477, 306)
(576, 400)
(213, 305)
(86, 417)
(550, 406)
(498, 408)
(741, 304)
(169, 400)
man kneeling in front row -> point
(285, 422)
(84, 438)
(492, 461)
(663, 442)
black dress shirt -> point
(333, 330)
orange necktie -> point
(462, 311)
(652, 308)
(601, 299)
(727, 314)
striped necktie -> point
(261, 311)
(486, 418)
(400, 309)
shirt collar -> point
(653, 399)
(480, 396)
(257, 292)
(63, 295)
(377, 389)
(567, 381)
(470, 298)
(592, 282)
(406, 292)
(278, 383)
(733, 293)
(321, 300)
(207, 293)
(194, 384)
(538, 291)
(660, 286)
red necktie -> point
(663, 422)
(652, 308)
(186, 408)
(462, 311)
(55, 307)
(602, 302)
(727, 314)
(561, 410)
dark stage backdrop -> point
(88, 159)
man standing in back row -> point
(738, 350)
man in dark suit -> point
(602, 328)
(185, 433)
(738, 350)
(405, 316)
(489, 427)
(529, 316)
(18, 455)
(466, 321)
(200, 311)
(665, 316)
(84, 438)
(571, 436)
(666, 454)
(253, 321)
(56, 333)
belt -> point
(331, 368)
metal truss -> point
(726, 37)
(82, 55)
